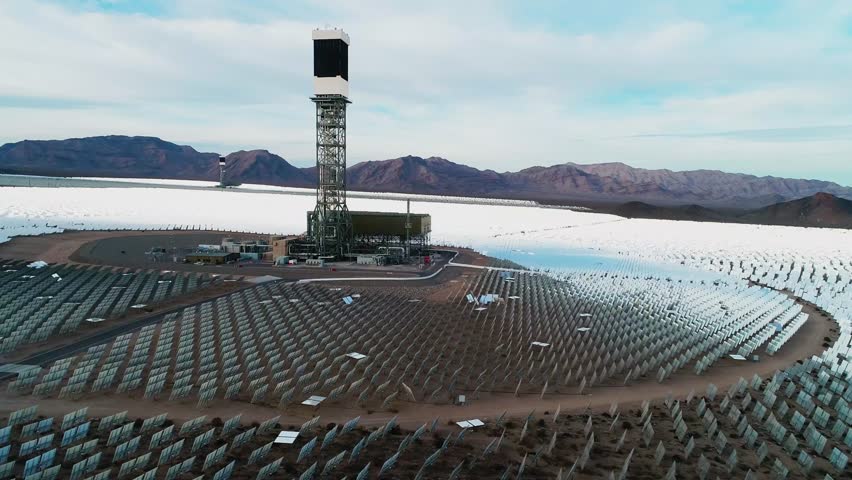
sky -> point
(760, 87)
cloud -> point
(827, 132)
(478, 82)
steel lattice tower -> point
(332, 225)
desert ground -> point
(533, 440)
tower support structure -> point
(331, 226)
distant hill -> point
(431, 175)
(820, 210)
(260, 166)
(695, 213)
(596, 184)
(145, 157)
(111, 156)
(706, 187)
(608, 183)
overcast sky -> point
(744, 86)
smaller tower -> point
(408, 228)
(221, 171)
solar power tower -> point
(332, 224)
(222, 162)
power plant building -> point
(212, 258)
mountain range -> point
(695, 194)
(818, 210)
